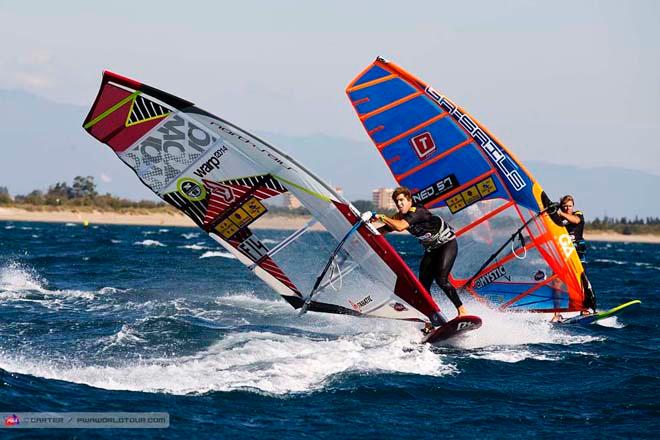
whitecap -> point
(111, 290)
(17, 282)
(149, 243)
(195, 247)
(211, 254)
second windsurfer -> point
(436, 236)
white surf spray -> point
(515, 336)
(19, 282)
(260, 361)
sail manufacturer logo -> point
(238, 136)
(191, 189)
(436, 189)
(212, 164)
(491, 276)
(424, 145)
(167, 151)
(363, 302)
(566, 245)
(508, 168)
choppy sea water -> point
(125, 318)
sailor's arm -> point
(392, 223)
(575, 219)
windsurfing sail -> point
(513, 253)
(222, 177)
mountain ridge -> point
(58, 149)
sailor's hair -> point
(402, 190)
(566, 198)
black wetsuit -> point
(576, 232)
(440, 246)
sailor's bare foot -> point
(585, 313)
(428, 328)
(462, 311)
(557, 318)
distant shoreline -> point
(267, 222)
(162, 218)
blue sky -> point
(563, 81)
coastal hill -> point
(43, 142)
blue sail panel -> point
(366, 101)
(390, 123)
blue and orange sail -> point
(513, 253)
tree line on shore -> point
(82, 193)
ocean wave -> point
(190, 235)
(160, 231)
(16, 277)
(19, 282)
(605, 260)
(512, 356)
(149, 243)
(263, 362)
(112, 290)
(195, 247)
(126, 336)
(646, 265)
(211, 254)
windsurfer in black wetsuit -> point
(434, 234)
(573, 221)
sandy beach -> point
(266, 222)
(154, 219)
